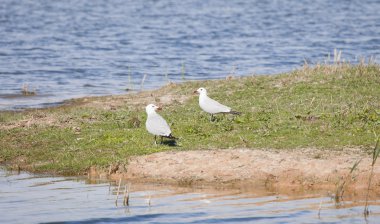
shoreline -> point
(295, 114)
(69, 101)
(73, 101)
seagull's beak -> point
(159, 108)
(196, 91)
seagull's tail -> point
(235, 112)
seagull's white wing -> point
(212, 106)
(157, 125)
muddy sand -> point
(306, 168)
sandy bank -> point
(306, 168)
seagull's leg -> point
(212, 118)
(155, 140)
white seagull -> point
(156, 125)
(212, 106)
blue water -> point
(26, 198)
(66, 49)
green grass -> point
(326, 106)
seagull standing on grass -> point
(212, 106)
(156, 125)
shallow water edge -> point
(31, 198)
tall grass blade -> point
(183, 71)
(355, 165)
(337, 56)
(340, 189)
(130, 84)
(118, 191)
(376, 152)
(142, 82)
(166, 75)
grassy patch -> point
(326, 106)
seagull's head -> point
(151, 108)
(201, 91)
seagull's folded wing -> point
(216, 107)
(158, 126)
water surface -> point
(66, 49)
(27, 198)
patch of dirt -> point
(162, 96)
(34, 119)
(306, 168)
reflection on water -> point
(71, 48)
(26, 198)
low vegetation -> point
(325, 106)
